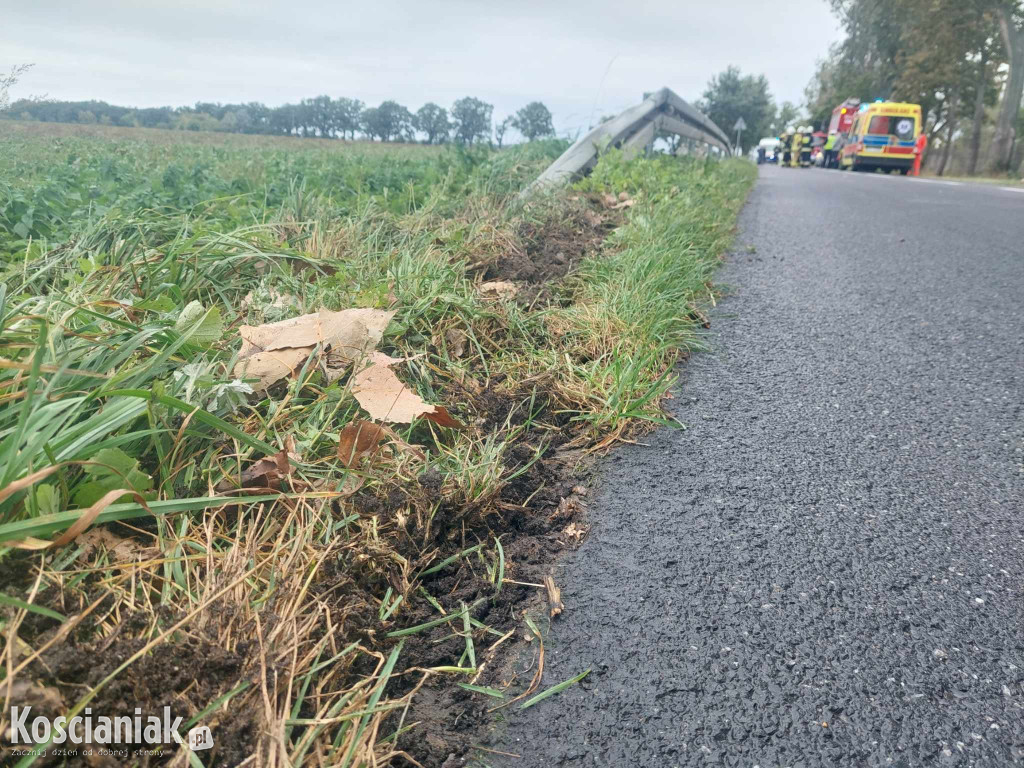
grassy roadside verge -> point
(325, 611)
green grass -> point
(127, 267)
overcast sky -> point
(583, 59)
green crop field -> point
(288, 533)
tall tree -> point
(981, 87)
(731, 95)
(472, 120)
(388, 122)
(936, 67)
(865, 65)
(534, 121)
(1010, 14)
(874, 42)
(432, 120)
(347, 116)
(319, 114)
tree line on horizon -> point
(961, 60)
(469, 120)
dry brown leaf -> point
(275, 350)
(609, 201)
(358, 439)
(267, 472)
(269, 367)
(501, 289)
(555, 605)
(335, 367)
(362, 437)
(355, 330)
(382, 395)
(623, 204)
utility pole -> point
(740, 125)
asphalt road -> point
(826, 568)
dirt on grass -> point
(536, 514)
(551, 248)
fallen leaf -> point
(356, 330)
(362, 437)
(358, 439)
(269, 367)
(267, 472)
(382, 395)
(335, 367)
(501, 289)
(623, 204)
(272, 351)
(555, 605)
(609, 201)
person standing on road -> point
(919, 147)
(805, 147)
(829, 150)
(795, 146)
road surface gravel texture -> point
(826, 567)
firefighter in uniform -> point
(782, 151)
(795, 146)
(805, 147)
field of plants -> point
(291, 431)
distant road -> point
(826, 568)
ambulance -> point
(882, 137)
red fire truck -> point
(843, 116)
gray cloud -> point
(582, 59)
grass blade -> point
(554, 689)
